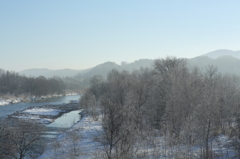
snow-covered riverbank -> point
(78, 143)
(44, 114)
(5, 100)
(10, 100)
(79, 137)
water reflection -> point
(62, 123)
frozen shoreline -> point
(6, 100)
(87, 148)
(44, 114)
(86, 129)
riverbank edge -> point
(8, 99)
(63, 109)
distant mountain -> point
(225, 64)
(137, 64)
(49, 73)
(219, 53)
(101, 69)
(227, 61)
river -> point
(63, 123)
(6, 110)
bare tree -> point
(74, 138)
(184, 106)
(90, 105)
(6, 148)
(24, 139)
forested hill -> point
(49, 73)
(15, 84)
(101, 69)
(223, 52)
(225, 64)
(227, 61)
(167, 108)
(32, 83)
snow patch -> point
(34, 117)
(86, 129)
(43, 111)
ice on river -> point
(37, 114)
(43, 111)
(34, 117)
(3, 102)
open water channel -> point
(6, 110)
(60, 124)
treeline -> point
(169, 102)
(15, 84)
(76, 83)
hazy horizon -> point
(82, 34)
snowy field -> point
(78, 143)
(63, 146)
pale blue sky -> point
(77, 34)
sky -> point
(80, 34)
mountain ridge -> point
(102, 69)
(227, 61)
(222, 52)
(48, 72)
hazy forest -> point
(13, 83)
(119, 79)
(183, 106)
(169, 110)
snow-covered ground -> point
(12, 99)
(79, 136)
(9, 101)
(219, 146)
(35, 113)
(43, 111)
(3, 102)
(35, 117)
(71, 94)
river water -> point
(6, 110)
(62, 123)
